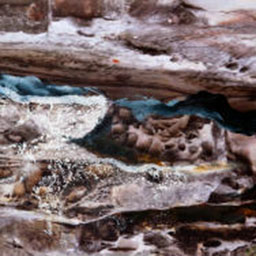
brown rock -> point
(132, 138)
(37, 11)
(24, 132)
(176, 139)
(38, 236)
(78, 8)
(4, 173)
(100, 170)
(24, 15)
(19, 189)
(32, 179)
(125, 114)
(158, 239)
(76, 194)
(156, 147)
(244, 147)
(144, 142)
(118, 128)
(42, 191)
(174, 12)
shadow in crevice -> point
(147, 130)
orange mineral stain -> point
(116, 61)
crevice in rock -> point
(190, 131)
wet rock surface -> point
(58, 198)
(180, 139)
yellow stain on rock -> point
(212, 167)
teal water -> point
(204, 104)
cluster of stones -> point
(188, 139)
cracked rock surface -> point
(83, 175)
(195, 46)
(58, 198)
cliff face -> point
(79, 174)
(135, 131)
(160, 49)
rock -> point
(86, 9)
(4, 173)
(132, 139)
(225, 64)
(24, 15)
(172, 12)
(158, 239)
(144, 142)
(156, 147)
(149, 178)
(23, 133)
(32, 179)
(42, 191)
(118, 128)
(19, 189)
(185, 138)
(125, 115)
(76, 194)
(243, 147)
(38, 11)
(102, 206)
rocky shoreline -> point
(71, 201)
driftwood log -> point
(161, 49)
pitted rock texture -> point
(182, 139)
(57, 197)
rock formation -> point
(180, 139)
(24, 15)
(188, 189)
(164, 164)
(194, 47)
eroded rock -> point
(86, 9)
(243, 147)
(184, 139)
(24, 15)
(69, 199)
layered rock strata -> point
(195, 46)
(56, 196)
